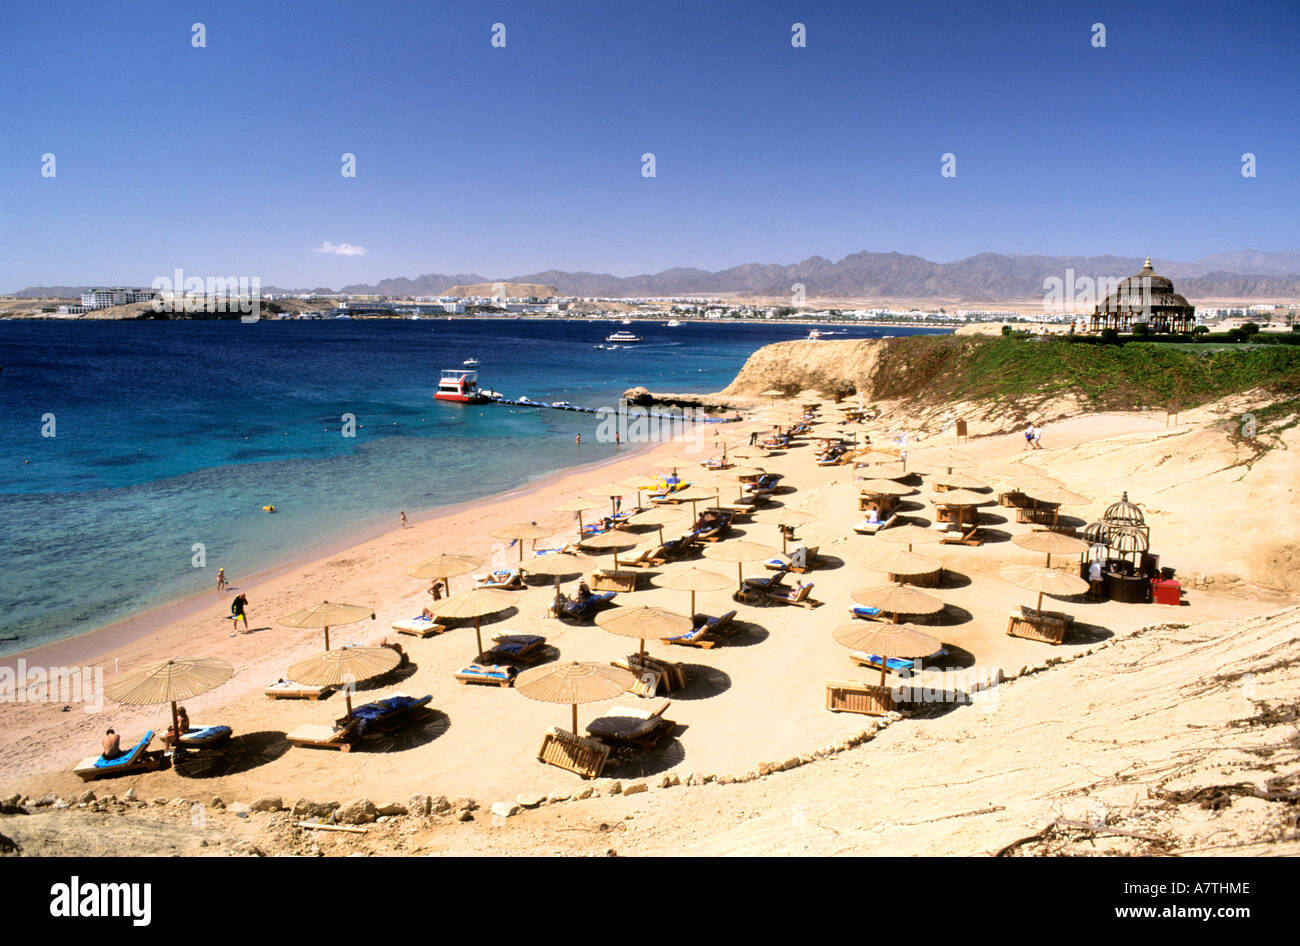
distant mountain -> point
(985, 277)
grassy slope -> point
(1105, 377)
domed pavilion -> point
(1144, 298)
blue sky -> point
(503, 161)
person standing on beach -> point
(1029, 435)
(1038, 433)
(237, 608)
(221, 580)
(403, 518)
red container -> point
(1166, 592)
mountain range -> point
(985, 277)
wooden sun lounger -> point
(532, 648)
(497, 675)
(650, 558)
(652, 673)
(1050, 627)
(318, 736)
(578, 754)
(970, 537)
(799, 597)
(643, 726)
(136, 759)
(508, 580)
(613, 581)
(852, 696)
(419, 627)
(297, 691)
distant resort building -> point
(1144, 299)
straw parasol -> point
(579, 506)
(1046, 581)
(520, 532)
(445, 567)
(560, 563)
(958, 480)
(886, 640)
(609, 540)
(887, 469)
(1051, 543)
(962, 499)
(1055, 496)
(693, 494)
(574, 683)
(326, 615)
(1017, 477)
(612, 491)
(169, 682)
(739, 551)
(660, 516)
(690, 578)
(644, 622)
(474, 604)
(882, 487)
(945, 457)
(783, 517)
(344, 667)
(909, 534)
(897, 599)
(904, 563)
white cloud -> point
(341, 249)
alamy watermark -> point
(213, 294)
(65, 685)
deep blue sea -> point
(167, 434)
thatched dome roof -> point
(1146, 292)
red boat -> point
(457, 384)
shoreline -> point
(101, 640)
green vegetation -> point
(1132, 376)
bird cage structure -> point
(1122, 529)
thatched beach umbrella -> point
(609, 540)
(897, 599)
(574, 683)
(1018, 477)
(944, 458)
(958, 480)
(1051, 543)
(886, 640)
(342, 668)
(474, 603)
(1045, 581)
(560, 563)
(881, 487)
(1055, 496)
(612, 491)
(902, 563)
(326, 615)
(445, 567)
(169, 682)
(784, 518)
(961, 500)
(694, 494)
(660, 516)
(886, 469)
(579, 506)
(739, 551)
(910, 534)
(521, 532)
(644, 622)
(690, 578)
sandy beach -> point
(757, 699)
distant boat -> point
(673, 324)
(470, 362)
(461, 386)
(814, 335)
(626, 338)
(627, 321)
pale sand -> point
(759, 700)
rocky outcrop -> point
(828, 367)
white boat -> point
(624, 338)
(627, 321)
(673, 324)
(814, 335)
(470, 362)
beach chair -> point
(585, 609)
(752, 590)
(577, 754)
(507, 579)
(288, 690)
(386, 715)
(568, 547)
(205, 737)
(317, 736)
(864, 612)
(866, 527)
(521, 648)
(1050, 627)
(872, 662)
(641, 725)
(499, 675)
(653, 674)
(852, 696)
(797, 596)
(649, 558)
(970, 537)
(136, 759)
(802, 559)
(715, 463)
(419, 626)
(703, 630)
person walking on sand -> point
(221, 580)
(238, 609)
(1029, 435)
(1038, 433)
(403, 518)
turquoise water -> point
(168, 434)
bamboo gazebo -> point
(1144, 298)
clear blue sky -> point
(225, 159)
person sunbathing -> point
(111, 743)
(582, 594)
(183, 717)
(426, 614)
